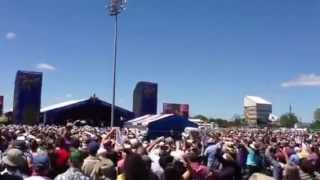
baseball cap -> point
(40, 160)
(76, 156)
(69, 125)
(93, 147)
(294, 160)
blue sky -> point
(209, 54)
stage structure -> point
(92, 111)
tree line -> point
(236, 121)
(287, 120)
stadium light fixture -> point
(115, 7)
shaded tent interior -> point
(161, 125)
(94, 111)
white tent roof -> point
(196, 120)
(254, 100)
(145, 120)
(59, 105)
(140, 118)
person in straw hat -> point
(13, 160)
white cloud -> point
(68, 95)
(45, 66)
(11, 36)
(310, 80)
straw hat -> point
(14, 157)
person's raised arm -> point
(245, 145)
(109, 134)
(178, 146)
(189, 172)
(285, 153)
(186, 175)
(152, 145)
(269, 155)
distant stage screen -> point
(178, 109)
(27, 97)
(145, 98)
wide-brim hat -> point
(14, 157)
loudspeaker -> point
(145, 98)
(27, 97)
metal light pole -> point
(115, 7)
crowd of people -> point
(81, 153)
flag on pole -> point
(273, 118)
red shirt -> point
(62, 156)
(200, 172)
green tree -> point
(220, 122)
(317, 115)
(288, 120)
(237, 120)
(315, 125)
(202, 117)
(4, 120)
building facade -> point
(256, 110)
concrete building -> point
(256, 110)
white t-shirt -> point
(155, 166)
(37, 178)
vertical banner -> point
(1, 105)
(27, 97)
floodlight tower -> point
(115, 8)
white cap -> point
(21, 138)
(134, 141)
(297, 149)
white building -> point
(256, 110)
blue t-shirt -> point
(211, 152)
(252, 158)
